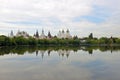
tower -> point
(37, 34)
(49, 35)
(63, 34)
(68, 34)
(42, 31)
(11, 34)
(62, 31)
(42, 36)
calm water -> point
(60, 63)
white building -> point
(63, 34)
(23, 34)
(68, 34)
(42, 36)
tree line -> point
(90, 40)
(7, 41)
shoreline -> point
(69, 45)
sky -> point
(81, 17)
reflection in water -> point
(59, 63)
(62, 51)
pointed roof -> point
(49, 34)
(11, 34)
(67, 31)
(37, 34)
(62, 31)
(42, 36)
(42, 31)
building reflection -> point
(42, 53)
(62, 51)
(49, 51)
(36, 52)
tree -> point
(117, 40)
(91, 36)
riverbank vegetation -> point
(75, 41)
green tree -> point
(91, 36)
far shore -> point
(87, 45)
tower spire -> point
(49, 34)
(11, 34)
(42, 31)
(37, 34)
(67, 31)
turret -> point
(42, 36)
(11, 34)
(42, 31)
(62, 31)
(37, 34)
(49, 35)
(67, 31)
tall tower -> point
(63, 34)
(67, 31)
(11, 34)
(62, 31)
(49, 35)
(37, 34)
(42, 31)
(42, 36)
(68, 34)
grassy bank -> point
(20, 41)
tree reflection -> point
(62, 51)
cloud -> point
(80, 16)
(61, 9)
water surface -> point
(59, 63)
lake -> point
(60, 63)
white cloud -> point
(63, 11)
